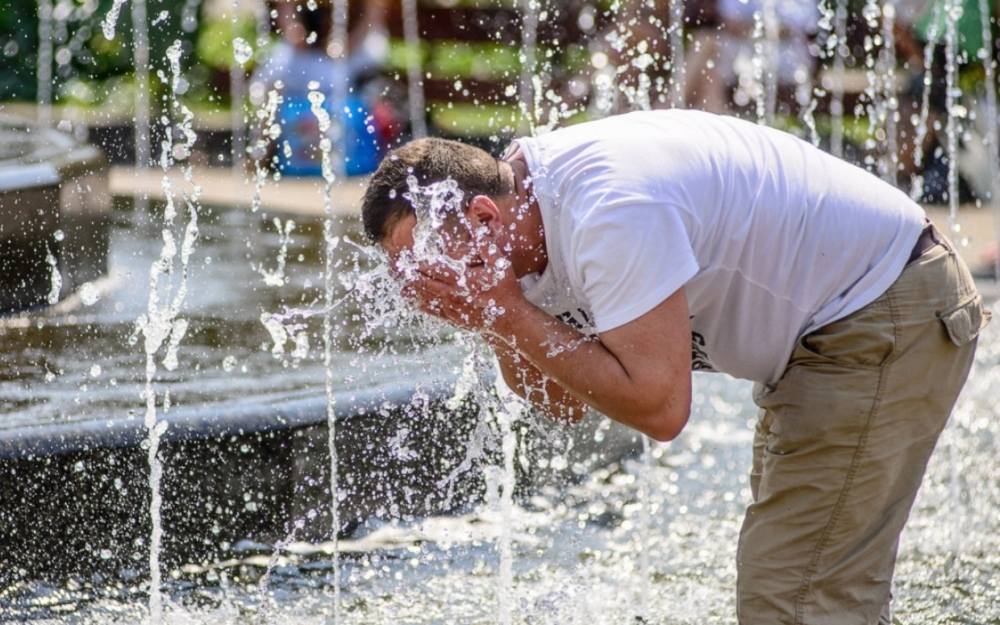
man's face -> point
(446, 250)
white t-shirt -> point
(770, 237)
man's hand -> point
(475, 298)
(638, 374)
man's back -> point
(770, 237)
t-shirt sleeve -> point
(630, 259)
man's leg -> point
(842, 445)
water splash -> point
(267, 134)
(290, 326)
(953, 12)
(880, 90)
(276, 277)
(678, 72)
(753, 82)
(916, 182)
(527, 90)
(56, 278)
(44, 62)
(771, 26)
(414, 82)
(140, 60)
(992, 122)
(643, 529)
(267, 604)
(161, 324)
(242, 51)
(111, 19)
(837, 46)
(433, 204)
(474, 388)
(326, 126)
(889, 93)
(500, 489)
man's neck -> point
(523, 220)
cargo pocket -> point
(966, 320)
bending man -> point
(605, 261)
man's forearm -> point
(644, 393)
(638, 373)
(543, 392)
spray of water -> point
(276, 277)
(266, 135)
(953, 12)
(242, 54)
(917, 181)
(433, 205)
(438, 207)
(55, 276)
(678, 77)
(891, 112)
(500, 490)
(755, 80)
(140, 59)
(527, 90)
(44, 62)
(837, 46)
(265, 613)
(414, 82)
(111, 19)
(874, 71)
(992, 122)
(161, 325)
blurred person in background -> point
(720, 56)
(307, 58)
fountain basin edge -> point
(74, 497)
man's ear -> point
(484, 211)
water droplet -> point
(95, 371)
(242, 50)
(89, 294)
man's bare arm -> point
(638, 374)
(542, 391)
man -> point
(607, 260)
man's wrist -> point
(507, 318)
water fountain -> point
(243, 424)
(55, 210)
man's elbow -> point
(666, 427)
(667, 420)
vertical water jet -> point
(992, 121)
(143, 151)
(840, 52)
(414, 81)
(44, 96)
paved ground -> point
(220, 186)
(974, 228)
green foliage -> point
(484, 61)
(214, 47)
(83, 58)
(18, 41)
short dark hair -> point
(430, 160)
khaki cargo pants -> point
(842, 443)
